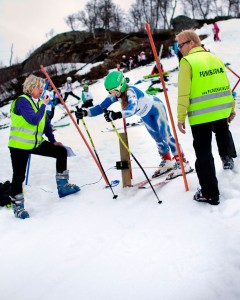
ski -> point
(159, 183)
(129, 125)
(76, 104)
(3, 126)
(173, 70)
(60, 125)
(165, 73)
(143, 184)
(155, 75)
(65, 115)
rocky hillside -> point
(81, 47)
(77, 47)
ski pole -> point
(74, 122)
(129, 151)
(95, 151)
(168, 103)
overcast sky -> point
(25, 23)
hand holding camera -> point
(46, 99)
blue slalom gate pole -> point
(28, 167)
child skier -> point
(68, 89)
(154, 116)
(87, 97)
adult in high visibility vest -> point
(204, 95)
(29, 121)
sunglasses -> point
(113, 91)
(182, 44)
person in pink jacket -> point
(216, 32)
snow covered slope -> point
(89, 246)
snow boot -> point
(65, 188)
(228, 163)
(200, 198)
(165, 166)
(18, 207)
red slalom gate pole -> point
(235, 75)
(229, 69)
(74, 122)
(168, 103)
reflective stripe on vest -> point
(26, 130)
(210, 95)
(20, 139)
(209, 109)
(24, 135)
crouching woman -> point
(29, 122)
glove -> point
(80, 113)
(112, 115)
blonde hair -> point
(190, 35)
(31, 82)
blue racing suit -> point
(152, 112)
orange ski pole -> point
(74, 122)
(168, 103)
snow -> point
(65, 68)
(90, 246)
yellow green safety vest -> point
(24, 135)
(210, 96)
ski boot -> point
(177, 171)
(18, 207)
(65, 188)
(165, 166)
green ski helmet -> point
(115, 81)
(85, 87)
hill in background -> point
(80, 47)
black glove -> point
(80, 113)
(112, 115)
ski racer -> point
(152, 112)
